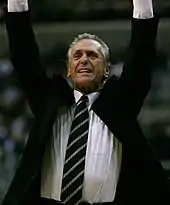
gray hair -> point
(105, 48)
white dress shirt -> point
(103, 156)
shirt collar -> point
(92, 96)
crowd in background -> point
(15, 122)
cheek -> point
(99, 69)
(72, 69)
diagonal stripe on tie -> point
(81, 112)
(76, 191)
(77, 139)
(76, 152)
(73, 172)
(79, 201)
(72, 181)
(73, 167)
(79, 126)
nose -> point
(84, 59)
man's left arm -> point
(135, 79)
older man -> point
(86, 146)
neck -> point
(85, 91)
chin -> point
(86, 85)
(84, 81)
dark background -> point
(56, 23)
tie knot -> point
(83, 101)
(84, 98)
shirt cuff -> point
(17, 5)
(143, 9)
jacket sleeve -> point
(135, 80)
(25, 58)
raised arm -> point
(135, 79)
(25, 53)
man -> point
(86, 146)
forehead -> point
(87, 44)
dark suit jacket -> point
(142, 179)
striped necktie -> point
(73, 172)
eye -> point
(93, 55)
(77, 55)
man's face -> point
(87, 65)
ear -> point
(107, 70)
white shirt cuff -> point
(17, 5)
(142, 9)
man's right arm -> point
(25, 53)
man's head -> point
(88, 62)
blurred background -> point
(56, 23)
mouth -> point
(84, 70)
